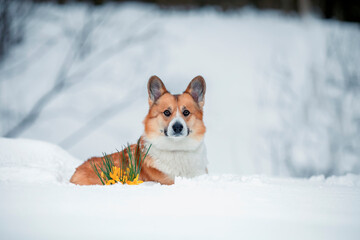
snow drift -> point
(30, 161)
(38, 202)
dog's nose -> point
(177, 127)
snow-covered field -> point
(282, 101)
(38, 202)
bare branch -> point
(59, 86)
(63, 82)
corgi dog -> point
(174, 129)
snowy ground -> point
(38, 202)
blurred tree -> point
(68, 74)
(13, 14)
(345, 10)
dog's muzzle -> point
(177, 128)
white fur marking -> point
(186, 158)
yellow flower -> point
(114, 176)
(125, 178)
(119, 175)
(110, 182)
(136, 181)
(116, 170)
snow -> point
(38, 202)
(35, 162)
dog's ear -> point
(196, 89)
(156, 89)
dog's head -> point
(175, 122)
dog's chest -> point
(180, 163)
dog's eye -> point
(186, 113)
(167, 113)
